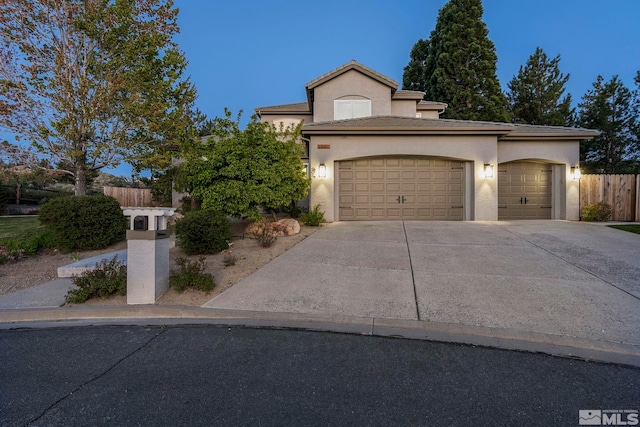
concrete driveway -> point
(555, 277)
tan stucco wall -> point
(404, 108)
(563, 154)
(351, 83)
(276, 118)
(481, 203)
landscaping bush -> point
(203, 232)
(84, 222)
(191, 275)
(15, 249)
(314, 218)
(599, 212)
(265, 235)
(108, 278)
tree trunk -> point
(80, 175)
(18, 192)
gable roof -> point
(351, 65)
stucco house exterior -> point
(380, 153)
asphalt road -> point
(100, 375)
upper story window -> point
(351, 108)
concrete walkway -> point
(552, 277)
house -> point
(381, 153)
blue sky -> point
(246, 54)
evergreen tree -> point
(460, 66)
(614, 110)
(414, 77)
(535, 94)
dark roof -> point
(295, 108)
(352, 65)
(405, 125)
(431, 105)
(536, 131)
(385, 125)
(408, 94)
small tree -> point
(535, 94)
(236, 171)
(614, 110)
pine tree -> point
(535, 94)
(460, 67)
(414, 77)
(614, 110)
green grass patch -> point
(19, 228)
(632, 228)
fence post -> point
(637, 198)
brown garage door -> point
(524, 190)
(387, 188)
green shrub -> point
(314, 218)
(10, 252)
(191, 275)
(203, 232)
(84, 222)
(599, 212)
(293, 210)
(18, 248)
(108, 278)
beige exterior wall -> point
(287, 118)
(563, 155)
(481, 201)
(350, 85)
(404, 108)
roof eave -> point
(402, 131)
(515, 136)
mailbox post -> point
(147, 254)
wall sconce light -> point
(575, 172)
(488, 170)
(322, 171)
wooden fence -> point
(621, 192)
(140, 197)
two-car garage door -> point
(407, 188)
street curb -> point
(501, 338)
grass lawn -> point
(19, 228)
(633, 228)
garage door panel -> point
(524, 190)
(377, 175)
(362, 187)
(393, 176)
(400, 188)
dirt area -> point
(249, 255)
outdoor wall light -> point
(575, 172)
(488, 170)
(322, 171)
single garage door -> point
(388, 188)
(524, 190)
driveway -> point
(556, 277)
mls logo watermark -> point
(608, 417)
